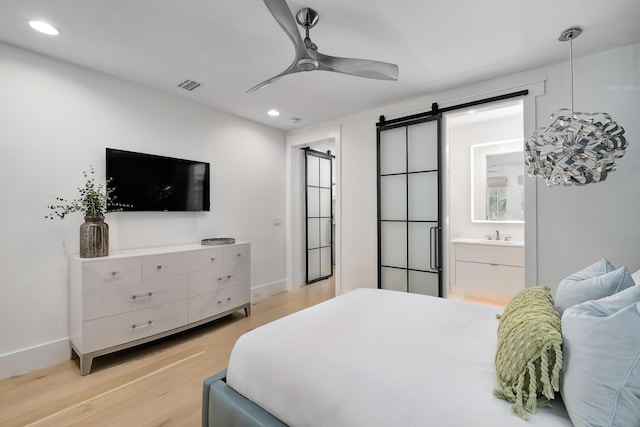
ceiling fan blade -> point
(291, 70)
(358, 67)
(282, 14)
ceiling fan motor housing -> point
(307, 64)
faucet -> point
(497, 235)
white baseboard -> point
(29, 359)
(268, 289)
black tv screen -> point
(146, 182)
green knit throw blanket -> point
(529, 355)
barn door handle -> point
(432, 244)
(434, 253)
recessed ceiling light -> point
(44, 28)
(295, 119)
(273, 113)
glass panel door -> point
(409, 207)
(319, 215)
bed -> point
(369, 358)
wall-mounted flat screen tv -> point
(146, 182)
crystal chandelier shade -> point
(576, 148)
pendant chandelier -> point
(576, 148)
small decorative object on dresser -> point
(94, 237)
(215, 241)
(94, 201)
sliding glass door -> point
(409, 207)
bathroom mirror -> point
(497, 182)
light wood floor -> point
(158, 384)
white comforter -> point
(379, 358)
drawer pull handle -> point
(220, 278)
(238, 254)
(159, 267)
(213, 259)
(219, 302)
(113, 273)
(229, 299)
(144, 325)
(145, 296)
(229, 277)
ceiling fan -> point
(307, 56)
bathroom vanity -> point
(494, 267)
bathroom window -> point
(497, 199)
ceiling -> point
(229, 46)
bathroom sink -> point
(477, 241)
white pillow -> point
(601, 374)
(636, 277)
(594, 282)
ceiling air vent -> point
(189, 85)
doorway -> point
(485, 203)
(321, 140)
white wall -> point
(578, 225)
(575, 225)
(55, 121)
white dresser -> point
(133, 297)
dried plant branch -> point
(93, 199)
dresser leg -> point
(85, 364)
(247, 310)
(74, 355)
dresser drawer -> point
(165, 265)
(203, 282)
(122, 328)
(241, 272)
(506, 255)
(111, 273)
(497, 279)
(207, 305)
(206, 259)
(105, 301)
(236, 254)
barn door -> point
(319, 215)
(409, 207)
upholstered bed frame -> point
(230, 407)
